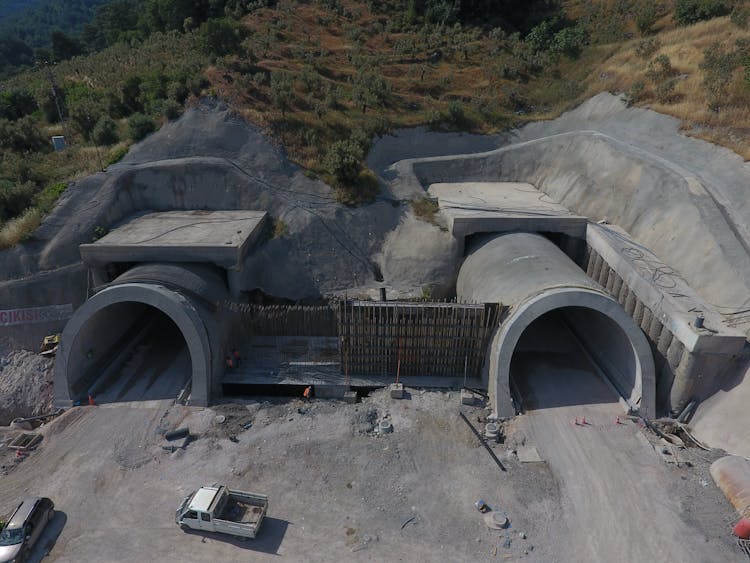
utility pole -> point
(56, 97)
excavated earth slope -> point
(683, 198)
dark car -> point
(24, 528)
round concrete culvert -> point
(385, 427)
(145, 336)
(555, 314)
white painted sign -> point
(32, 315)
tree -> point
(645, 18)
(64, 47)
(139, 126)
(220, 37)
(21, 136)
(130, 95)
(282, 91)
(105, 131)
(14, 104)
(343, 161)
(687, 12)
(369, 89)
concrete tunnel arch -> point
(532, 277)
(99, 323)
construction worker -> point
(307, 394)
(236, 357)
(230, 362)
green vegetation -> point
(326, 77)
(687, 12)
(280, 229)
(425, 208)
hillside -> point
(326, 76)
(34, 21)
(10, 7)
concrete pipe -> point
(530, 275)
(148, 306)
(732, 475)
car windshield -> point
(11, 537)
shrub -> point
(46, 199)
(105, 131)
(660, 69)
(21, 135)
(635, 92)
(139, 126)
(718, 66)
(20, 228)
(170, 109)
(647, 47)
(687, 12)
(425, 209)
(569, 41)
(15, 104)
(343, 161)
(740, 16)
(117, 155)
(645, 18)
(665, 90)
(14, 199)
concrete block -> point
(330, 391)
(397, 390)
(467, 397)
(350, 397)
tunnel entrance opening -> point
(132, 352)
(573, 356)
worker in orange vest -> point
(307, 394)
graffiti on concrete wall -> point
(33, 315)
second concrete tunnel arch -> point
(532, 276)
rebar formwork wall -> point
(418, 339)
(288, 320)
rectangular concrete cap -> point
(467, 397)
(397, 390)
(498, 207)
(218, 237)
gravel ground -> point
(339, 490)
(25, 384)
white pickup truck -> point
(219, 509)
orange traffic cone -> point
(91, 400)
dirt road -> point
(617, 504)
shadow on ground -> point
(49, 538)
(269, 538)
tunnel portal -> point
(536, 281)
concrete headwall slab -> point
(218, 237)
(500, 207)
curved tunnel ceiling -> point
(530, 275)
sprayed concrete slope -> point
(682, 198)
